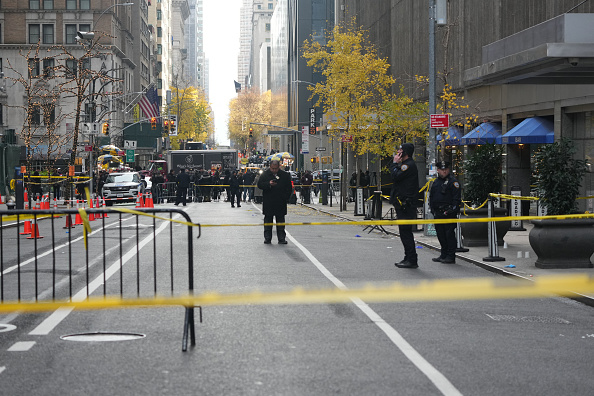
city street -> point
(494, 347)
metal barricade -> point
(126, 255)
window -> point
(49, 115)
(48, 67)
(270, 6)
(34, 34)
(159, 32)
(34, 115)
(158, 15)
(33, 67)
(159, 49)
(267, 27)
(259, 6)
(71, 4)
(159, 84)
(33, 4)
(71, 31)
(48, 4)
(85, 4)
(48, 34)
(71, 66)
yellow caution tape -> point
(506, 196)
(439, 290)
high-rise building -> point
(261, 50)
(195, 33)
(245, 43)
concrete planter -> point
(563, 243)
(476, 234)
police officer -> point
(444, 202)
(404, 197)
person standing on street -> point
(276, 191)
(306, 182)
(404, 197)
(183, 182)
(235, 189)
(444, 203)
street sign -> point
(312, 120)
(304, 140)
(130, 144)
(88, 148)
(440, 120)
(320, 148)
(346, 138)
(129, 155)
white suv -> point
(122, 187)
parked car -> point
(122, 187)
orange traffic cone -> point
(26, 196)
(150, 203)
(77, 218)
(1, 202)
(138, 201)
(34, 232)
(91, 215)
(69, 222)
(104, 207)
(37, 204)
(27, 229)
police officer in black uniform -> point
(444, 202)
(404, 197)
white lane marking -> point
(45, 327)
(21, 346)
(2, 369)
(438, 379)
(32, 259)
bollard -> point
(459, 242)
(492, 236)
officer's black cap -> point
(408, 149)
(442, 165)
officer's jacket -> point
(445, 195)
(405, 179)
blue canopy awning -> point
(487, 132)
(534, 130)
(453, 136)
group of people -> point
(444, 203)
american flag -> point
(150, 103)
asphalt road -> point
(500, 347)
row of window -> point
(44, 33)
(45, 67)
(49, 4)
(36, 115)
(270, 6)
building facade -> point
(511, 60)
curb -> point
(586, 300)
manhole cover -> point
(527, 319)
(102, 337)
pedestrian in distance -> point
(257, 190)
(306, 182)
(235, 189)
(276, 191)
(183, 182)
(404, 197)
(444, 203)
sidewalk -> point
(516, 251)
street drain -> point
(102, 337)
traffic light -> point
(153, 123)
(172, 127)
(314, 160)
(105, 128)
(166, 126)
(251, 132)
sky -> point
(221, 47)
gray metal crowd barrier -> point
(43, 256)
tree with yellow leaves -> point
(356, 84)
(249, 106)
(193, 115)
